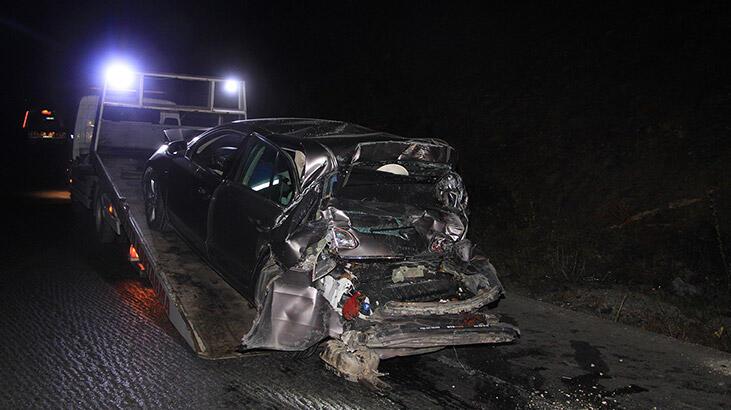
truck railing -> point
(210, 107)
(133, 96)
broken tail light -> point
(440, 244)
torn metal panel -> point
(357, 365)
(432, 331)
(396, 309)
(387, 353)
(334, 289)
(294, 316)
(450, 191)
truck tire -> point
(103, 232)
(155, 207)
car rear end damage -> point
(382, 277)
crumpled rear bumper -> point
(434, 331)
(394, 309)
(410, 328)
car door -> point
(194, 177)
(246, 207)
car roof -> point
(308, 133)
(319, 140)
(318, 137)
(308, 128)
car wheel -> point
(155, 209)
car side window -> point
(282, 181)
(259, 169)
(216, 151)
(269, 174)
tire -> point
(102, 231)
(155, 208)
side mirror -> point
(176, 147)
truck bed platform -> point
(211, 316)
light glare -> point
(120, 77)
(231, 86)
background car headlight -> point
(342, 239)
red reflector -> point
(25, 119)
(140, 265)
(352, 306)
(133, 255)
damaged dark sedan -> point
(334, 231)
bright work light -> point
(120, 77)
(231, 86)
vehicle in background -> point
(43, 124)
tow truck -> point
(416, 259)
(116, 131)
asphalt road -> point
(80, 329)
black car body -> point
(332, 230)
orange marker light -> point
(133, 255)
(110, 209)
(46, 112)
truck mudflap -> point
(357, 353)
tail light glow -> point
(133, 255)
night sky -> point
(363, 61)
(490, 79)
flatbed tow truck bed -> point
(210, 315)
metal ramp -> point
(210, 315)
